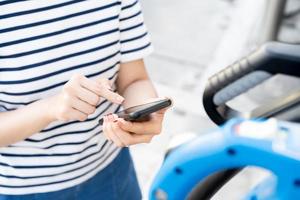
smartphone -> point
(142, 112)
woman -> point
(63, 66)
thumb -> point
(162, 111)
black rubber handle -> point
(272, 58)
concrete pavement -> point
(192, 40)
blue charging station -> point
(209, 161)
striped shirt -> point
(42, 44)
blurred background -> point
(193, 40)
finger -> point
(142, 138)
(129, 139)
(162, 111)
(112, 135)
(125, 137)
(90, 85)
(115, 117)
(148, 127)
(104, 128)
(104, 81)
(105, 91)
(102, 87)
(87, 96)
(82, 106)
(77, 115)
(110, 117)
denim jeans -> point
(115, 182)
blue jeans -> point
(115, 182)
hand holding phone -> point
(123, 130)
(142, 112)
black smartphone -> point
(142, 112)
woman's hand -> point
(124, 133)
(79, 98)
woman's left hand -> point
(125, 133)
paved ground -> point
(192, 40)
(185, 42)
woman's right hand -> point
(79, 98)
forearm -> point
(21, 123)
(133, 83)
(76, 101)
(138, 92)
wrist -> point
(47, 108)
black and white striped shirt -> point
(42, 44)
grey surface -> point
(192, 39)
(185, 36)
(186, 31)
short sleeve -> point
(134, 38)
(2, 108)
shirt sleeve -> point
(2, 109)
(134, 38)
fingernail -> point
(110, 117)
(115, 117)
(120, 99)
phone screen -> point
(139, 107)
(141, 112)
